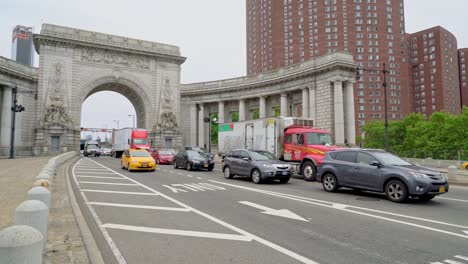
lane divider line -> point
(453, 199)
(118, 192)
(260, 240)
(110, 183)
(178, 232)
(141, 206)
(102, 177)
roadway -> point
(177, 216)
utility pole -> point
(385, 104)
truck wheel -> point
(309, 171)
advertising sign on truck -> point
(289, 138)
(129, 138)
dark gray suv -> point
(379, 171)
(257, 165)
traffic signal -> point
(18, 108)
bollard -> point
(452, 172)
(20, 244)
(43, 176)
(33, 213)
(40, 193)
(42, 182)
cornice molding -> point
(17, 70)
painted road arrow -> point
(282, 212)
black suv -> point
(379, 171)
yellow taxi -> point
(464, 165)
(138, 159)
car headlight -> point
(418, 175)
(196, 161)
(134, 160)
(268, 166)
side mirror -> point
(375, 163)
(246, 159)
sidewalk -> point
(16, 179)
(64, 238)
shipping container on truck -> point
(291, 139)
(129, 138)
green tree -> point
(234, 116)
(214, 128)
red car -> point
(163, 156)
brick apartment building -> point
(286, 32)
(434, 71)
(425, 74)
(463, 63)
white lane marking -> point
(281, 212)
(102, 177)
(200, 178)
(173, 189)
(461, 257)
(180, 173)
(453, 199)
(267, 243)
(110, 242)
(94, 173)
(141, 206)
(110, 183)
(179, 232)
(465, 231)
(449, 261)
(436, 262)
(331, 205)
(106, 191)
(190, 176)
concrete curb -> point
(94, 255)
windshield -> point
(258, 156)
(390, 159)
(92, 147)
(196, 155)
(266, 154)
(140, 141)
(314, 138)
(164, 152)
(140, 154)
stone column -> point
(242, 110)
(312, 104)
(201, 125)
(221, 114)
(193, 124)
(6, 116)
(350, 123)
(262, 104)
(305, 102)
(339, 114)
(284, 105)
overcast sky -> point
(210, 33)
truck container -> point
(291, 139)
(129, 138)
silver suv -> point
(379, 171)
(254, 164)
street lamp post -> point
(15, 108)
(208, 120)
(133, 123)
(384, 71)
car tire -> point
(309, 171)
(128, 168)
(426, 197)
(329, 183)
(396, 191)
(227, 172)
(121, 164)
(189, 167)
(157, 161)
(175, 165)
(285, 180)
(210, 169)
(256, 176)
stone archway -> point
(78, 63)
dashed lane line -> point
(102, 177)
(141, 206)
(118, 192)
(179, 232)
(453, 199)
(225, 224)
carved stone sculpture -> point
(112, 57)
(55, 104)
(167, 120)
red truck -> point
(129, 138)
(289, 138)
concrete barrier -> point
(33, 213)
(21, 244)
(40, 193)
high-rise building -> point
(434, 71)
(22, 49)
(463, 63)
(287, 32)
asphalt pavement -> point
(179, 216)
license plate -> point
(285, 173)
(144, 165)
(205, 165)
(442, 189)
